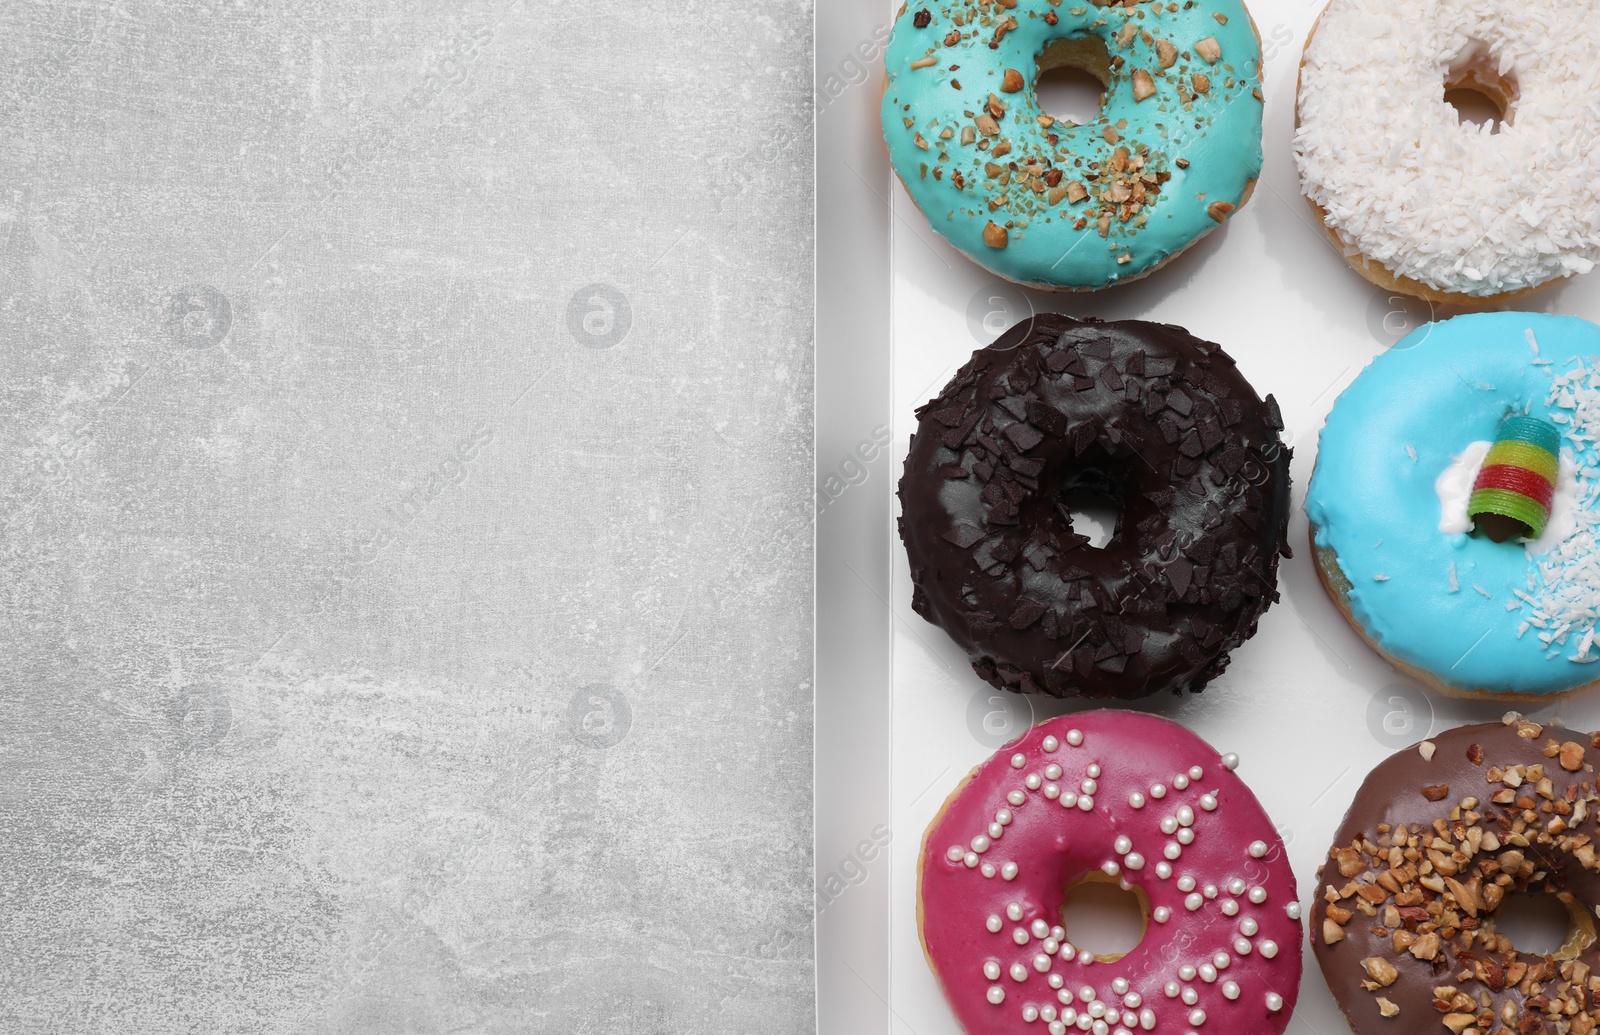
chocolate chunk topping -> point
(1145, 415)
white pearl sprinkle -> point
(1030, 1013)
(1051, 791)
(1269, 948)
(1113, 1016)
(1051, 946)
(1172, 989)
(1163, 870)
(1186, 972)
(1134, 861)
(1019, 972)
(1147, 1019)
(1190, 996)
(1085, 803)
(1208, 973)
(1186, 836)
(1016, 797)
(1050, 744)
(1195, 772)
(991, 970)
(1069, 799)
(1003, 817)
(1258, 849)
(1048, 1012)
(1230, 761)
(1032, 781)
(1193, 902)
(1019, 936)
(1230, 989)
(1136, 800)
(1101, 1028)
(987, 869)
(980, 844)
(970, 860)
(1008, 871)
(1197, 1017)
(1229, 907)
(1209, 891)
(1093, 770)
(997, 995)
(1111, 869)
(1169, 825)
(1248, 927)
(1122, 844)
(1041, 929)
(1185, 816)
(1172, 851)
(994, 923)
(1237, 886)
(1054, 981)
(1274, 1002)
(1241, 946)
(1292, 910)
(1086, 994)
(1208, 802)
(954, 853)
(1018, 760)
(1132, 1000)
(1052, 772)
(1186, 883)
(1258, 894)
(1097, 1009)
(995, 830)
(1059, 933)
(1161, 914)
(1158, 791)
(1068, 953)
(1074, 737)
(1180, 782)
(1221, 960)
(1120, 986)
(1057, 1028)
(1014, 911)
(1088, 786)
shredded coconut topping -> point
(1565, 607)
(1410, 186)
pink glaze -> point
(1229, 966)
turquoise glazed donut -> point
(1388, 505)
(1175, 150)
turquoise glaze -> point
(949, 165)
(1439, 389)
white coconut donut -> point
(1435, 205)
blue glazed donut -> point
(1388, 507)
(1175, 149)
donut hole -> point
(1091, 503)
(1100, 916)
(1478, 92)
(1073, 75)
(1541, 924)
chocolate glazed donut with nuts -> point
(1437, 838)
(1157, 421)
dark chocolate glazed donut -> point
(1144, 413)
(1436, 839)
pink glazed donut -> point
(1110, 795)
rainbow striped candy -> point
(1518, 478)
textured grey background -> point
(398, 634)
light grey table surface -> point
(406, 517)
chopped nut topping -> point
(1143, 86)
(1571, 756)
(1332, 933)
(1166, 53)
(1380, 970)
(1426, 750)
(1209, 49)
(1435, 792)
(926, 62)
(1011, 82)
(921, 19)
(1202, 84)
(1220, 210)
(1385, 1007)
(995, 235)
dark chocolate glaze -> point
(1146, 413)
(1393, 794)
